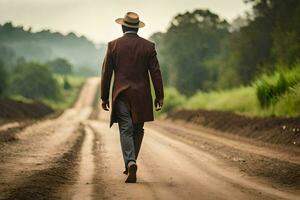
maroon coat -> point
(131, 58)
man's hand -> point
(105, 105)
(158, 104)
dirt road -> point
(78, 157)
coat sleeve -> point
(155, 74)
(106, 74)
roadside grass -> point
(242, 100)
(276, 94)
(289, 103)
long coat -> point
(131, 59)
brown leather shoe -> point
(132, 168)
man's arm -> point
(156, 78)
(106, 74)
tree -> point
(191, 40)
(46, 45)
(200, 51)
(271, 37)
(34, 81)
(276, 32)
(60, 66)
(7, 56)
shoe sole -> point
(131, 174)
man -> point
(131, 59)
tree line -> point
(42, 46)
(34, 80)
(201, 51)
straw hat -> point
(131, 20)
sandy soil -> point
(77, 156)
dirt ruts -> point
(45, 183)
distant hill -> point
(46, 45)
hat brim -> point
(122, 22)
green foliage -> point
(173, 100)
(3, 78)
(270, 88)
(68, 96)
(271, 35)
(288, 105)
(191, 40)
(7, 56)
(60, 66)
(67, 85)
(34, 81)
(199, 53)
(282, 19)
(282, 90)
(241, 100)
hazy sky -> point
(95, 18)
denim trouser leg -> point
(131, 135)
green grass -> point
(241, 100)
(277, 94)
(20, 98)
(289, 104)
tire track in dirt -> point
(85, 186)
(36, 151)
(109, 177)
(44, 183)
(98, 149)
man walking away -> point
(131, 58)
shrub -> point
(270, 88)
(67, 85)
(34, 81)
(173, 99)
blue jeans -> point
(131, 135)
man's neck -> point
(133, 32)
